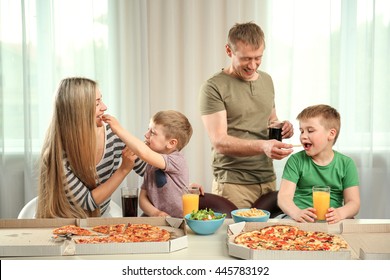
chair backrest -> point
(114, 210)
(28, 210)
(216, 203)
(269, 202)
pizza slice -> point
(146, 233)
(119, 233)
(280, 231)
(117, 228)
(72, 229)
(322, 241)
(104, 229)
(110, 229)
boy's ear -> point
(332, 133)
(172, 143)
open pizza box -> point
(33, 237)
(242, 252)
(369, 241)
(175, 226)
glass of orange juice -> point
(190, 200)
(321, 201)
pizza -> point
(110, 229)
(146, 233)
(116, 233)
(287, 237)
(73, 230)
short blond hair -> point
(175, 125)
(329, 117)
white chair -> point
(114, 210)
(28, 210)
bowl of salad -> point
(205, 221)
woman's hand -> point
(128, 159)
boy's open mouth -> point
(307, 145)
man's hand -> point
(277, 150)
(287, 130)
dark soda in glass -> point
(129, 206)
(275, 133)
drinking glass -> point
(321, 201)
(190, 200)
(275, 130)
(129, 201)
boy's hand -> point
(112, 121)
(305, 215)
(160, 213)
(197, 186)
(333, 216)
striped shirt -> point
(105, 169)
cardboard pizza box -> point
(175, 226)
(242, 252)
(33, 237)
(369, 241)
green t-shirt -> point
(340, 174)
(248, 105)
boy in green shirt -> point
(319, 165)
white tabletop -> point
(200, 247)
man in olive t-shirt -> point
(236, 105)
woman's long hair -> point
(71, 134)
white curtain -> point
(154, 55)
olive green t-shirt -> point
(248, 105)
(340, 174)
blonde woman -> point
(82, 162)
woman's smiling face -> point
(100, 108)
